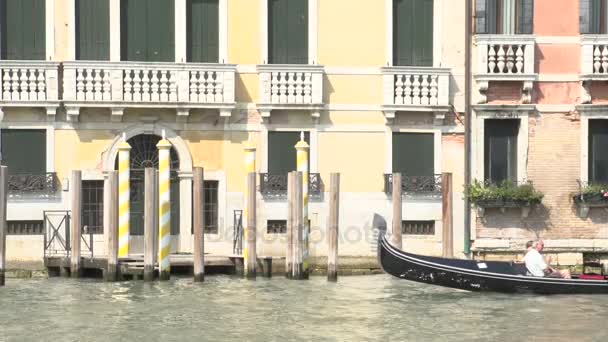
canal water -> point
(224, 308)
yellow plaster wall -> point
(80, 150)
(61, 29)
(244, 46)
(206, 148)
(353, 117)
(234, 158)
(353, 89)
(351, 32)
(247, 87)
(358, 156)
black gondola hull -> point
(474, 275)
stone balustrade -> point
(505, 55)
(594, 57)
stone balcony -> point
(290, 86)
(121, 85)
(29, 84)
(505, 58)
(594, 62)
(420, 89)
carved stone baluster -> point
(510, 58)
(193, 86)
(80, 84)
(399, 89)
(219, 86)
(6, 88)
(172, 86)
(145, 86)
(299, 80)
(416, 90)
(491, 59)
(41, 85)
(154, 95)
(519, 59)
(137, 85)
(32, 85)
(604, 59)
(15, 85)
(282, 87)
(501, 60)
(597, 57)
(424, 91)
(89, 95)
(307, 87)
(291, 87)
(164, 86)
(107, 86)
(98, 85)
(24, 95)
(209, 87)
(274, 88)
(202, 87)
(128, 88)
(434, 91)
(407, 90)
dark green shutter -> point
(282, 152)
(414, 154)
(413, 32)
(598, 153)
(148, 30)
(288, 31)
(203, 31)
(24, 150)
(501, 150)
(23, 30)
(93, 30)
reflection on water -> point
(230, 309)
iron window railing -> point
(418, 227)
(275, 185)
(40, 183)
(430, 184)
(25, 227)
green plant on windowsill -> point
(593, 193)
(505, 194)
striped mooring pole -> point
(164, 208)
(124, 189)
(302, 149)
(249, 233)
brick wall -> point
(553, 167)
(504, 92)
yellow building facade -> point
(358, 109)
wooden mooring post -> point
(199, 224)
(250, 254)
(298, 226)
(76, 224)
(149, 222)
(290, 225)
(3, 226)
(112, 268)
(396, 237)
(332, 227)
(446, 198)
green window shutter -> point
(203, 31)
(23, 30)
(148, 30)
(282, 152)
(598, 154)
(93, 30)
(288, 32)
(414, 154)
(24, 150)
(413, 32)
(500, 162)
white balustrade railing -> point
(594, 56)
(148, 83)
(28, 81)
(500, 55)
(416, 86)
(291, 84)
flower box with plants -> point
(504, 195)
(591, 196)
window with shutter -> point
(203, 31)
(414, 154)
(93, 30)
(23, 29)
(598, 154)
(501, 150)
(413, 32)
(288, 31)
(282, 151)
(593, 16)
(148, 30)
(504, 16)
(24, 151)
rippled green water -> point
(229, 309)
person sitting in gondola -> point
(538, 267)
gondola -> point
(472, 275)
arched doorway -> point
(144, 154)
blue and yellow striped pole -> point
(124, 210)
(249, 251)
(302, 149)
(164, 208)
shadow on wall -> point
(537, 222)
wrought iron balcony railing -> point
(41, 183)
(430, 184)
(275, 185)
